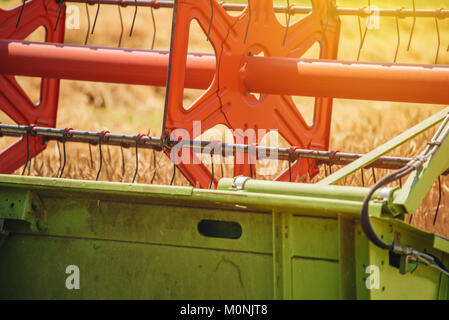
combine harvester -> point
(239, 237)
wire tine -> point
(121, 25)
(61, 5)
(439, 201)
(374, 175)
(360, 28)
(64, 161)
(287, 18)
(29, 166)
(399, 39)
(100, 139)
(20, 13)
(222, 168)
(212, 171)
(134, 20)
(123, 161)
(65, 135)
(174, 169)
(28, 152)
(101, 161)
(155, 166)
(91, 157)
(289, 170)
(88, 25)
(154, 28)
(363, 177)
(137, 160)
(439, 39)
(96, 16)
(362, 41)
(60, 160)
(211, 19)
(249, 21)
(413, 26)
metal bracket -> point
(239, 183)
(22, 205)
(401, 259)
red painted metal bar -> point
(366, 81)
(348, 80)
(99, 64)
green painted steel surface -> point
(147, 242)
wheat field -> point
(357, 126)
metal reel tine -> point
(137, 162)
(88, 25)
(138, 139)
(155, 167)
(439, 201)
(103, 135)
(212, 171)
(29, 166)
(399, 36)
(65, 136)
(123, 161)
(287, 18)
(222, 168)
(134, 20)
(121, 25)
(28, 151)
(439, 37)
(101, 160)
(154, 28)
(413, 26)
(362, 40)
(20, 13)
(64, 161)
(289, 170)
(211, 19)
(96, 17)
(61, 5)
(60, 159)
(174, 170)
(91, 157)
(249, 20)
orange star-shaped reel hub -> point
(235, 39)
(13, 99)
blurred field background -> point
(358, 126)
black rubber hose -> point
(365, 219)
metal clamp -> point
(239, 183)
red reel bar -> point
(270, 75)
